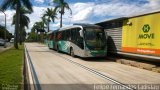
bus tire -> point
(72, 52)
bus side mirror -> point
(81, 33)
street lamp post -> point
(5, 24)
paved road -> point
(123, 73)
(52, 68)
(9, 45)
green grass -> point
(11, 66)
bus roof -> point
(69, 27)
(80, 26)
(50, 32)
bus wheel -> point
(72, 52)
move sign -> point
(143, 36)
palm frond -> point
(50, 14)
(67, 7)
(27, 4)
(6, 4)
(56, 1)
(24, 20)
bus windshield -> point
(95, 38)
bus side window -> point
(56, 36)
(59, 36)
(73, 35)
(63, 35)
(79, 39)
(52, 36)
(68, 35)
(77, 35)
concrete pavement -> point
(53, 70)
(123, 73)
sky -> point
(85, 11)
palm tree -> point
(50, 14)
(16, 4)
(39, 27)
(44, 22)
(23, 35)
(24, 21)
(61, 5)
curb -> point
(31, 81)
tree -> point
(44, 21)
(32, 37)
(16, 4)
(23, 35)
(24, 21)
(37, 27)
(2, 30)
(61, 5)
(50, 14)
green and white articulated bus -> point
(51, 39)
(84, 40)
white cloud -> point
(116, 8)
(54, 26)
(36, 16)
(154, 4)
(39, 1)
(83, 14)
(38, 12)
(9, 15)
